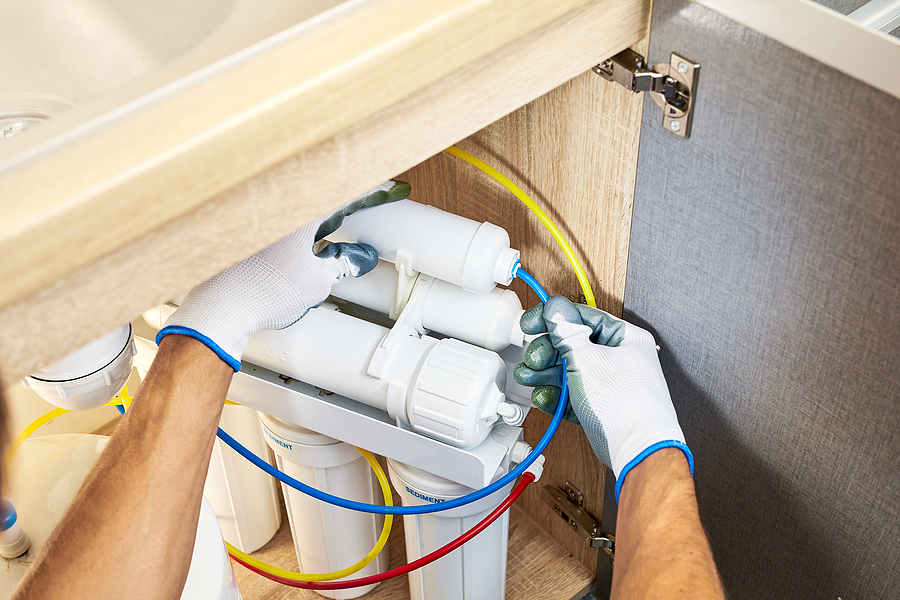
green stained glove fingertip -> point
(399, 191)
(532, 320)
(522, 374)
(545, 398)
(540, 353)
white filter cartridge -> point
(448, 390)
(327, 538)
(488, 320)
(477, 570)
(242, 496)
(467, 253)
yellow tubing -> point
(368, 558)
(540, 214)
(123, 398)
(26, 433)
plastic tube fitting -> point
(14, 542)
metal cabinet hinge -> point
(568, 503)
(672, 86)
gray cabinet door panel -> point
(765, 255)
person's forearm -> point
(661, 549)
(136, 514)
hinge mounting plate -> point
(672, 85)
(568, 503)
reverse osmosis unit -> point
(403, 361)
(412, 361)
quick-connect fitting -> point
(14, 542)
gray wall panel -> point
(765, 254)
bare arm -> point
(130, 531)
(661, 549)
(135, 517)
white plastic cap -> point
(14, 542)
(305, 447)
(457, 393)
(90, 376)
(489, 260)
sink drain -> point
(12, 125)
(21, 112)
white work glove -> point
(616, 385)
(275, 287)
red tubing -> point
(527, 478)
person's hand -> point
(616, 386)
(275, 287)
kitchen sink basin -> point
(83, 63)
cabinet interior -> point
(574, 151)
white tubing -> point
(477, 570)
(473, 255)
(327, 538)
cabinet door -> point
(765, 256)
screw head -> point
(675, 126)
(682, 67)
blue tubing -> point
(532, 283)
(425, 508)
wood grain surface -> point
(538, 568)
(164, 262)
(574, 151)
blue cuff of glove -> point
(178, 329)
(657, 446)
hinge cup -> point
(672, 86)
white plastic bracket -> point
(408, 323)
(406, 280)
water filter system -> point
(435, 375)
(413, 362)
